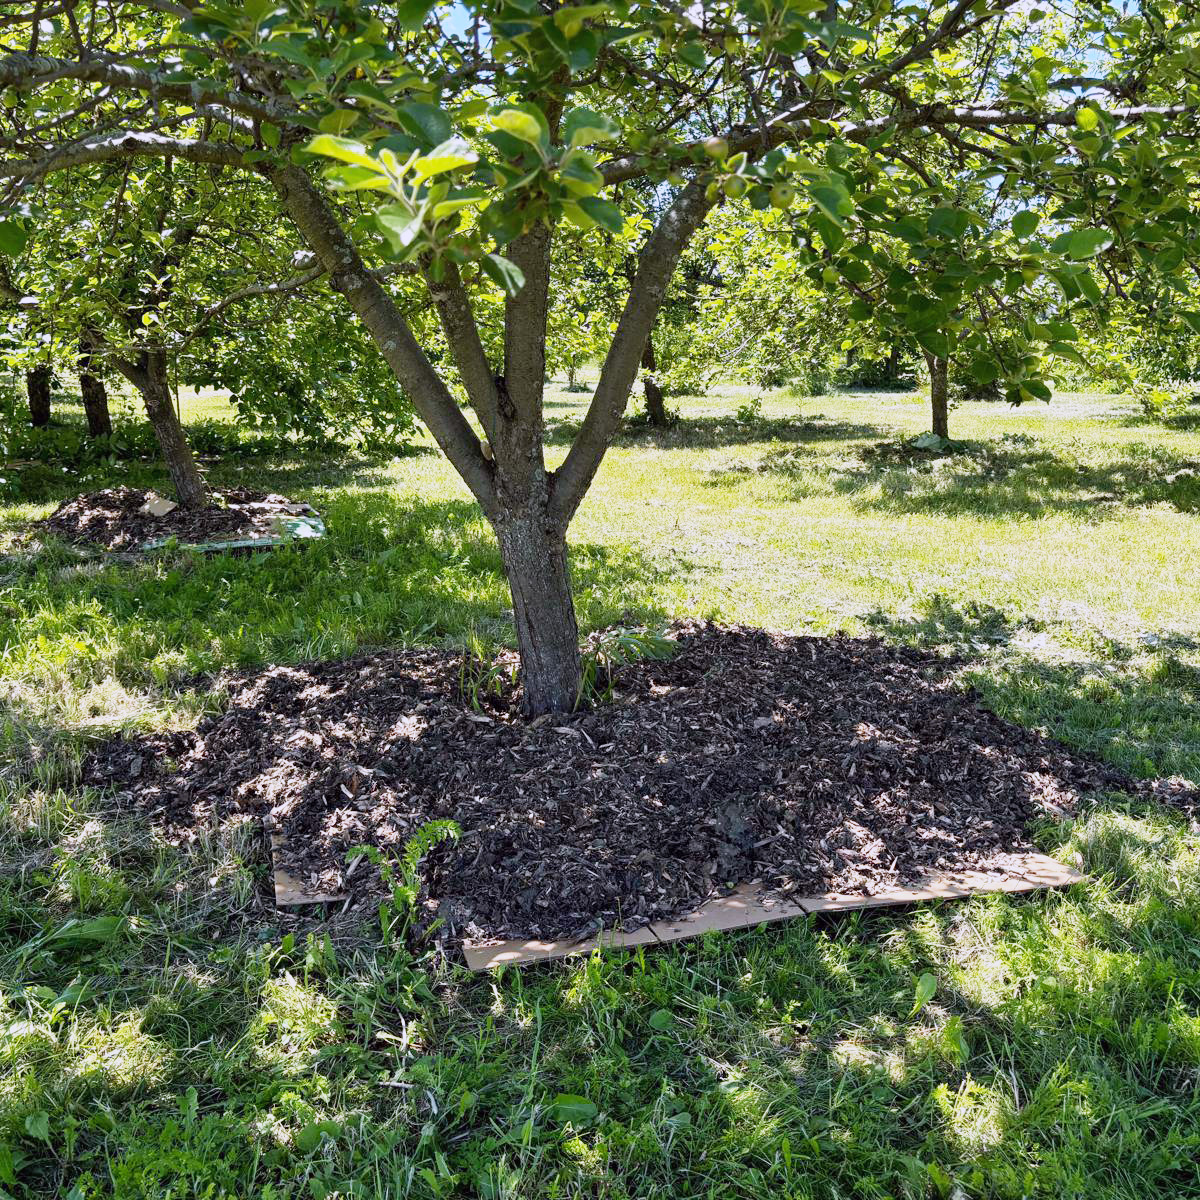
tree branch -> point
(19, 70)
(656, 264)
(314, 217)
(462, 335)
(126, 144)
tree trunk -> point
(939, 394)
(893, 363)
(656, 409)
(149, 376)
(93, 391)
(37, 388)
(535, 561)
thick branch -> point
(20, 70)
(121, 145)
(656, 265)
(791, 126)
(315, 219)
(462, 335)
(525, 323)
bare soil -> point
(113, 518)
(806, 763)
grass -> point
(168, 1034)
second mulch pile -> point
(810, 764)
(117, 518)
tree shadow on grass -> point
(1016, 475)
(701, 433)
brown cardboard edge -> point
(289, 891)
(745, 908)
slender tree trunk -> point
(149, 375)
(939, 394)
(893, 363)
(656, 409)
(177, 454)
(534, 554)
(93, 391)
(37, 388)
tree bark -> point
(37, 388)
(149, 375)
(93, 391)
(656, 409)
(534, 554)
(939, 394)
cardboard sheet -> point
(747, 907)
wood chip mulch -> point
(806, 763)
(113, 518)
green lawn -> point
(168, 1034)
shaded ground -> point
(117, 519)
(808, 763)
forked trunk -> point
(939, 397)
(535, 562)
(656, 409)
(37, 388)
(93, 391)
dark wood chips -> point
(112, 518)
(808, 763)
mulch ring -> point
(115, 518)
(806, 763)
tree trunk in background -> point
(939, 394)
(93, 391)
(893, 363)
(656, 409)
(181, 465)
(149, 375)
(535, 562)
(37, 388)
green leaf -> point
(338, 121)
(448, 156)
(661, 1019)
(603, 212)
(425, 121)
(457, 201)
(1087, 119)
(949, 222)
(692, 53)
(579, 173)
(401, 226)
(354, 179)
(935, 341)
(504, 272)
(37, 1125)
(519, 124)
(582, 125)
(411, 14)
(1080, 244)
(578, 1110)
(96, 931)
(1025, 223)
(343, 149)
(13, 237)
(925, 990)
(832, 201)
